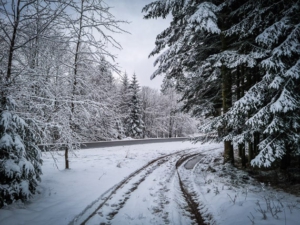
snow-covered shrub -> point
(20, 157)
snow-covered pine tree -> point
(124, 93)
(20, 157)
(266, 117)
(271, 105)
(191, 38)
(257, 47)
(124, 100)
(134, 122)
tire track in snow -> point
(189, 196)
(152, 202)
(125, 188)
(191, 203)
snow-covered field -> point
(106, 186)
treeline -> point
(237, 64)
(57, 87)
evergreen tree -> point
(24, 29)
(193, 36)
(252, 49)
(20, 157)
(265, 116)
(272, 103)
(134, 122)
(125, 98)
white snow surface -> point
(224, 197)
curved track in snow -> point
(163, 184)
(193, 205)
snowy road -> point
(151, 194)
(164, 183)
(102, 144)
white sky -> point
(137, 45)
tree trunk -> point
(75, 79)
(242, 81)
(170, 125)
(243, 155)
(286, 159)
(227, 101)
(242, 92)
(12, 43)
(250, 143)
(228, 152)
(67, 157)
(237, 83)
(250, 151)
(238, 96)
(256, 142)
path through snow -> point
(151, 184)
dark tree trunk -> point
(250, 151)
(249, 81)
(12, 42)
(237, 83)
(243, 156)
(242, 92)
(227, 101)
(256, 143)
(286, 159)
(75, 79)
(238, 96)
(67, 157)
(170, 125)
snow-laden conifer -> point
(124, 100)
(134, 122)
(190, 39)
(20, 157)
(269, 109)
(254, 48)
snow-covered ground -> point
(106, 186)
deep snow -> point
(225, 196)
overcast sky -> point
(137, 45)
